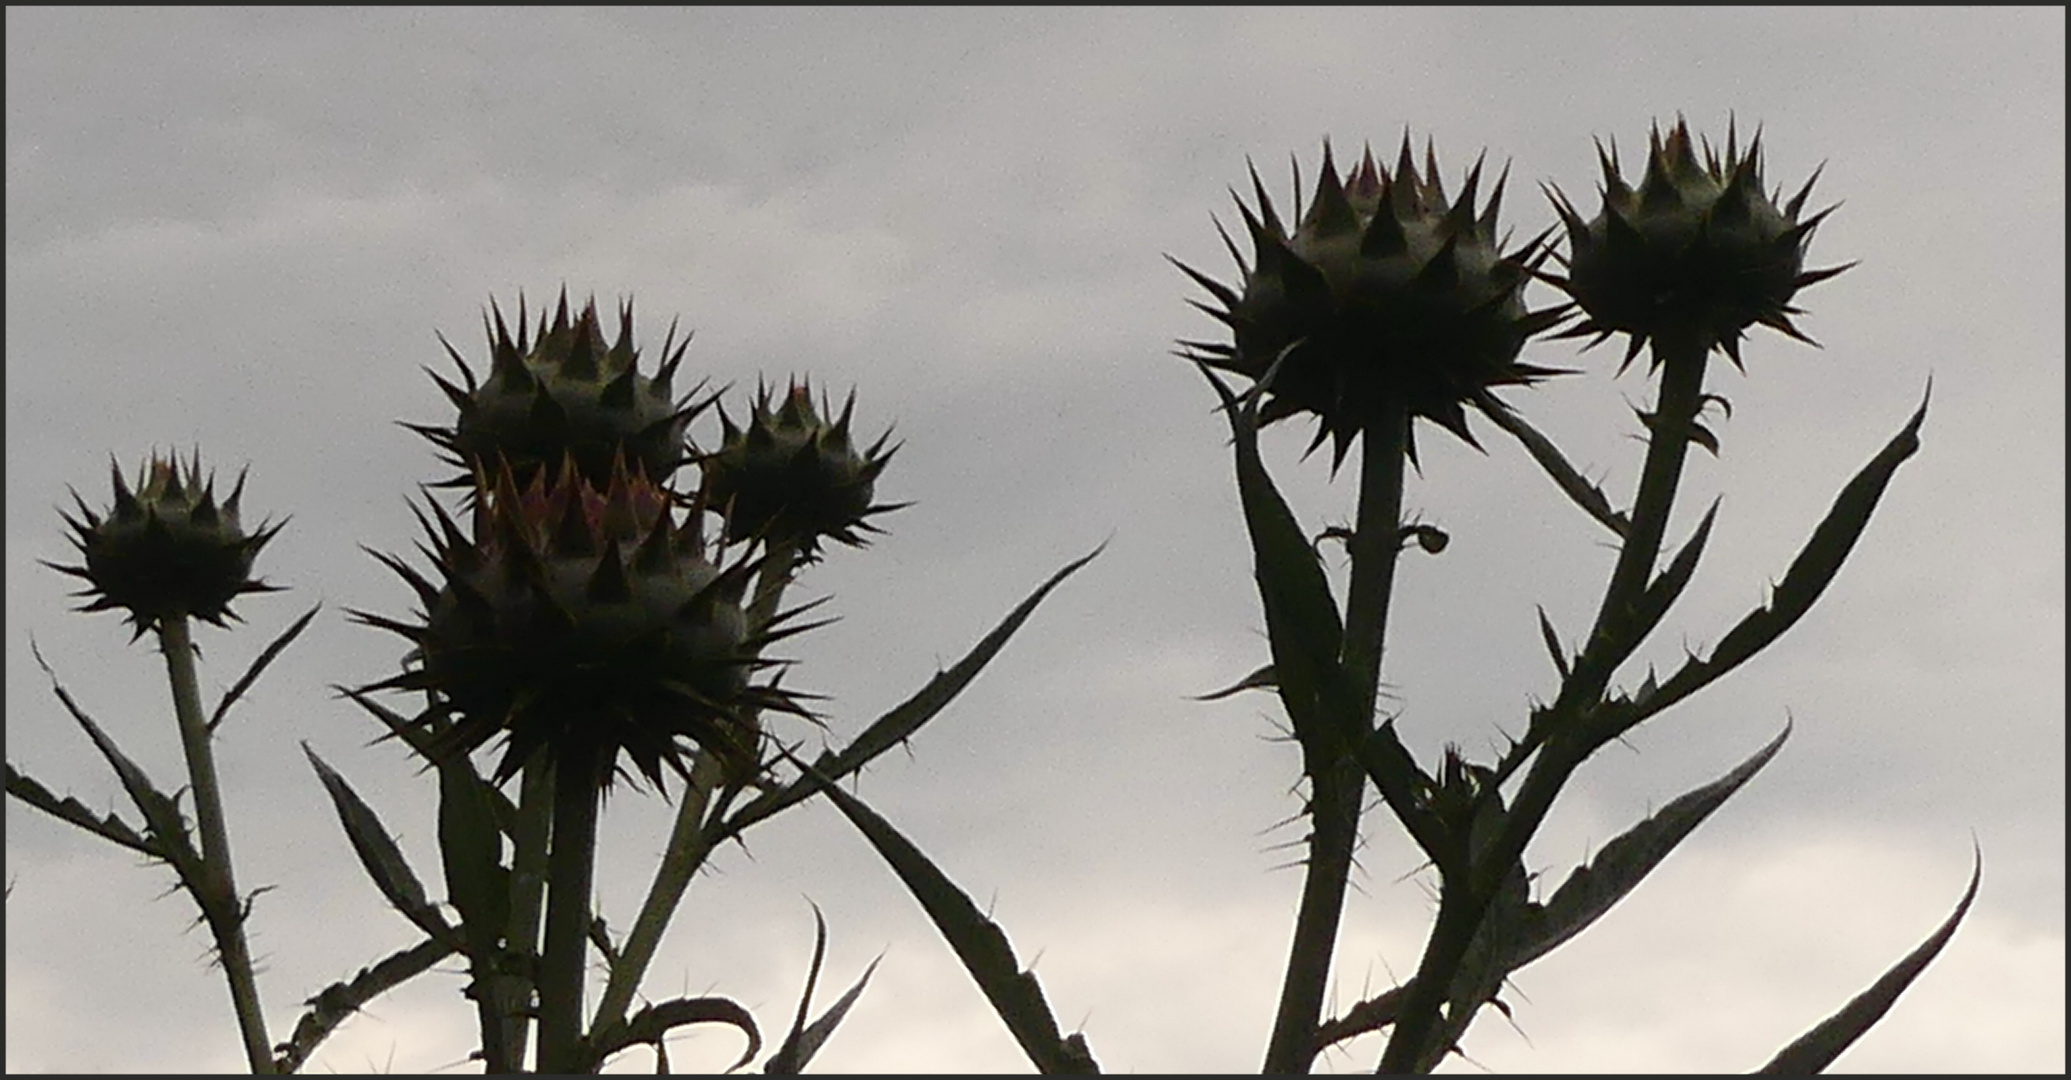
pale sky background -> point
(244, 227)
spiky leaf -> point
(1816, 1049)
(978, 941)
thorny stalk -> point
(1337, 783)
(1463, 903)
(218, 891)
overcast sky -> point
(242, 229)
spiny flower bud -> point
(561, 392)
(789, 476)
(1386, 291)
(584, 621)
(1697, 253)
(169, 550)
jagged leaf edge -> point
(479, 887)
(785, 1060)
(69, 809)
(819, 1031)
(165, 825)
(1584, 494)
(1592, 889)
(333, 1004)
(1576, 903)
(1808, 576)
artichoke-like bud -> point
(584, 620)
(789, 476)
(1385, 291)
(1697, 253)
(169, 550)
(562, 392)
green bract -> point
(791, 477)
(169, 550)
(1695, 250)
(563, 393)
(1385, 290)
(575, 618)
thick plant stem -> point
(688, 843)
(1334, 798)
(1463, 904)
(220, 906)
(571, 866)
(1336, 781)
(1375, 546)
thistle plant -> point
(165, 554)
(1684, 263)
(586, 614)
(1387, 303)
(582, 617)
(593, 619)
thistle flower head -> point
(791, 475)
(168, 550)
(584, 620)
(560, 392)
(1697, 252)
(1385, 291)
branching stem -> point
(1463, 904)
